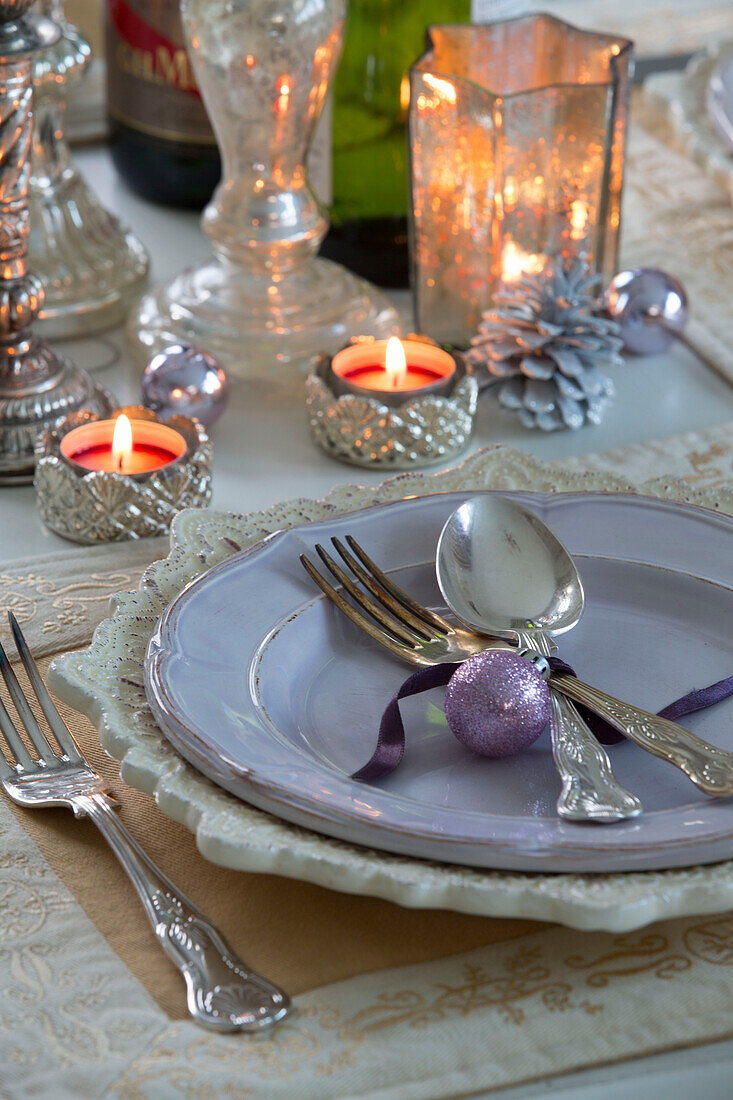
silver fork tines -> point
(222, 992)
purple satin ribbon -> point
(391, 740)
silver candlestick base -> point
(264, 301)
(43, 391)
(91, 266)
(37, 387)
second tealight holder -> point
(384, 433)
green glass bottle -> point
(369, 144)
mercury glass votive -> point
(517, 134)
(429, 420)
(91, 489)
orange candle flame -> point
(404, 94)
(515, 263)
(284, 88)
(121, 441)
(578, 219)
(445, 89)
(395, 362)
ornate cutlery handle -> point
(708, 767)
(222, 992)
(590, 792)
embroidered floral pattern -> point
(561, 989)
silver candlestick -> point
(92, 267)
(37, 387)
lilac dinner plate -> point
(266, 688)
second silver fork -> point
(222, 992)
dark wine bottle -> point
(369, 143)
(160, 136)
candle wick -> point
(119, 463)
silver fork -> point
(421, 637)
(222, 993)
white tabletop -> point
(263, 454)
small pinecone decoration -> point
(547, 343)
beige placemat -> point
(337, 935)
(59, 598)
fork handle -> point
(222, 993)
(707, 766)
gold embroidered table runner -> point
(441, 1006)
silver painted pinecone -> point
(547, 343)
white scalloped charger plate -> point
(276, 696)
(105, 681)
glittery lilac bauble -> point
(183, 381)
(497, 703)
(650, 306)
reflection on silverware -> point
(222, 992)
(445, 642)
(504, 573)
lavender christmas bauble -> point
(497, 703)
(181, 380)
(650, 306)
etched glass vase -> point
(265, 299)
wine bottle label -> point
(151, 85)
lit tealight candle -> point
(515, 263)
(121, 443)
(578, 219)
(393, 371)
(121, 446)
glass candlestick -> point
(263, 67)
(91, 266)
(38, 387)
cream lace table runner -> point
(534, 1001)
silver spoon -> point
(504, 573)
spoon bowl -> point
(503, 572)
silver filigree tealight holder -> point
(38, 387)
(105, 505)
(392, 431)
